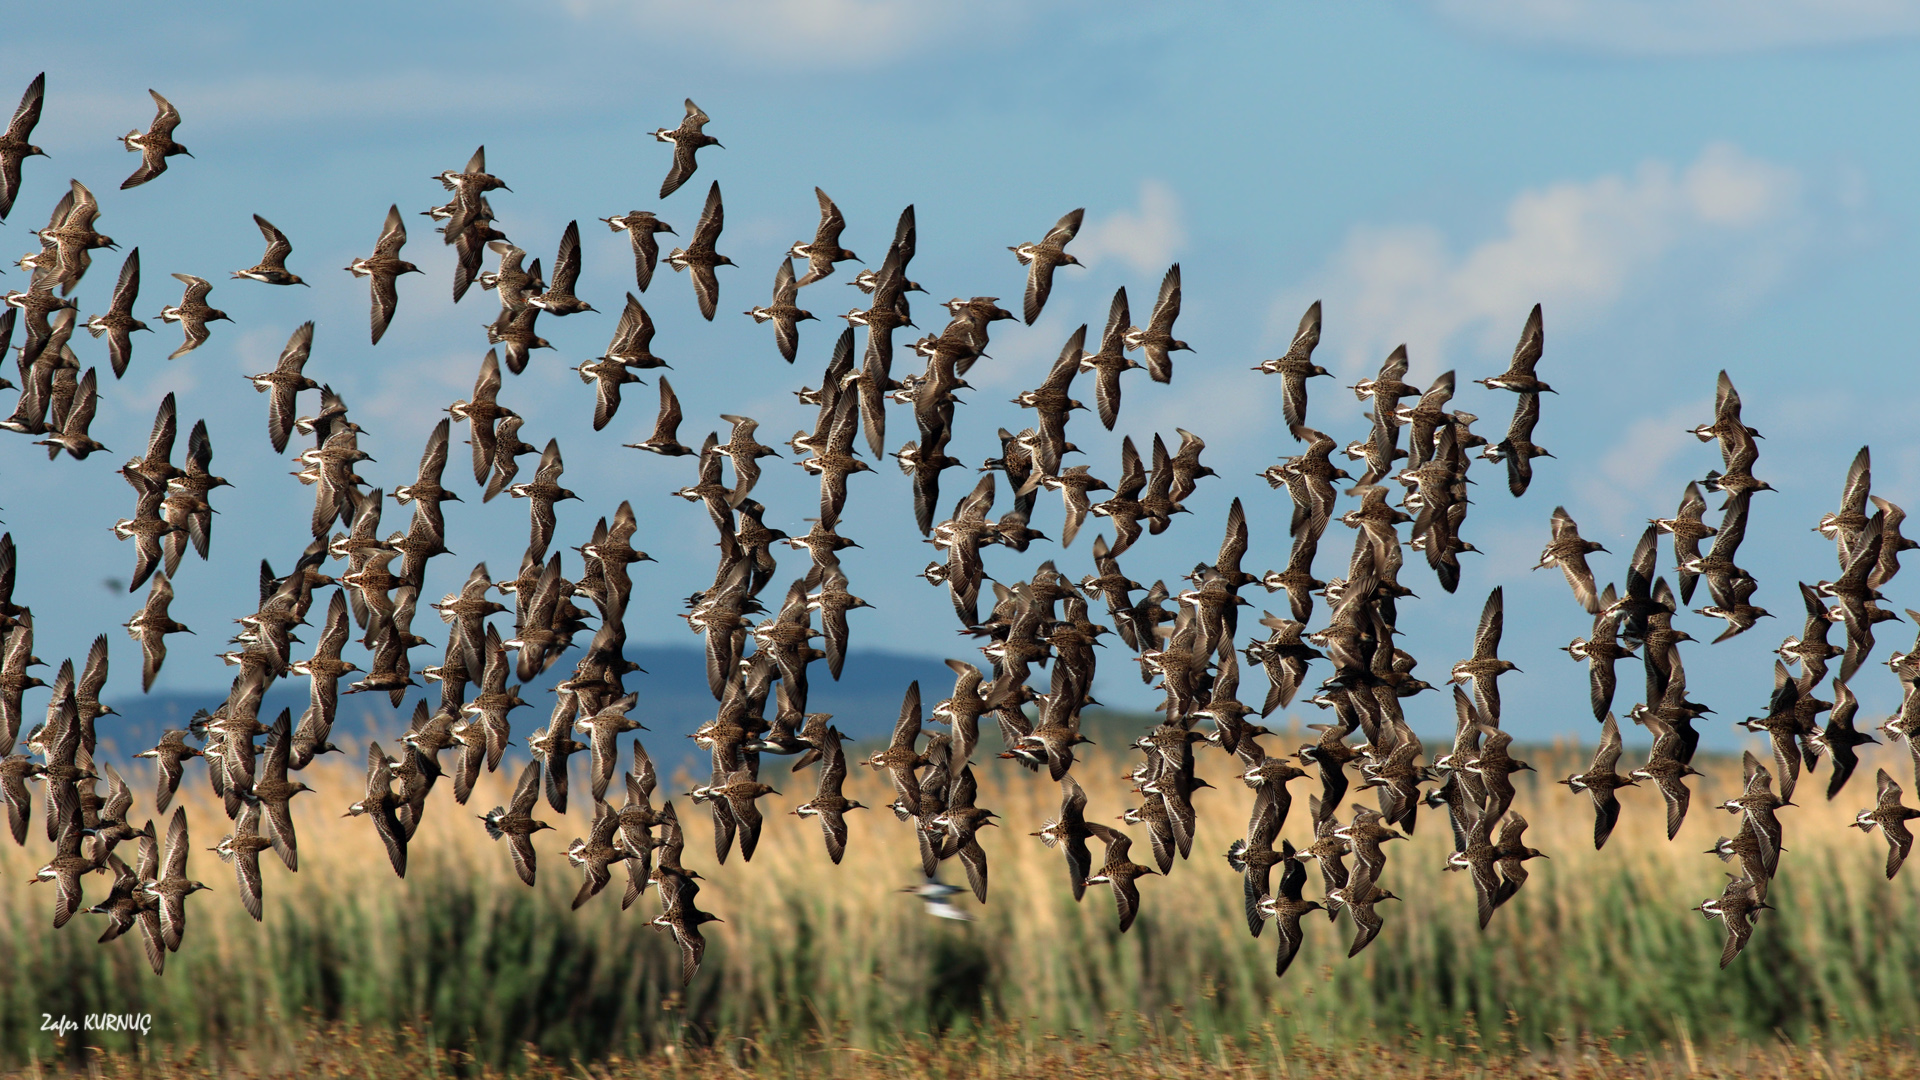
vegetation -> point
(1014, 1052)
(817, 967)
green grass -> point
(1597, 947)
(1008, 1051)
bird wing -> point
(386, 297)
(566, 263)
(393, 235)
(1486, 642)
(278, 246)
(712, 219)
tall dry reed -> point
(1597, 945)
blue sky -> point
(1685, 186)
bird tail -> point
(1237, 855)
(492, 820)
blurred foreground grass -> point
(461, 966)
(1015, 1052)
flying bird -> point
(192, 313)
(699, 256)
(1042, 258)
(156, 145)
(272, 267)
(687, 139)
(14, 147)
(384, 266)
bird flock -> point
(1185, 635)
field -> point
(817, 968)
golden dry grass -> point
(1008, 1052)
(1597, 945)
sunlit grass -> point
(1012, 1051)
(1597, 945)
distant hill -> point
(674, 700)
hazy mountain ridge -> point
(673, 699)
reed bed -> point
(1008, 1052)
(460, 960)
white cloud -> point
(278, 98)
(810, 33)
(1574, 246)
(1684, 27)
(1145, 238)
(1640, 463)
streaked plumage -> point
(272, 267)
(192, 313)
(1043, 257)
(699, 257)
(118, 324)
(14, 147)
(687, 139)
(156, 144)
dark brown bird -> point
(381, 803)
(666, 427)
(1569, 552)
(1518, 449)
(824, 250)
(1286, 908)
(1358, 897)
(1070, 832)
(516, 822)
(383, 267)
(481, 413)
(1485, 667)
(14, 147)
(118, 324)
(469, 187)
(687, 139)
(1120, 872)
(1841, 739)
(242, 848)
(1891, 816)
(1111, 361)
(596, 854)
(559, 299)
(1296, 366)
(156, 145)
(1519, 376)
(699, 257)
(192, 313)
(1601, 782)
(633, 338)
(72, 435)
(1736, 908)
(284, 382)
(426, 493)
(171, 886)
(677, 890)
(828, 804)
(1041, 259)
(272, 267)
(150, 627)
(1687, 530)
(1156, 338)
(541, 495)
(899, 758)
(642, 228)
(782, 312)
